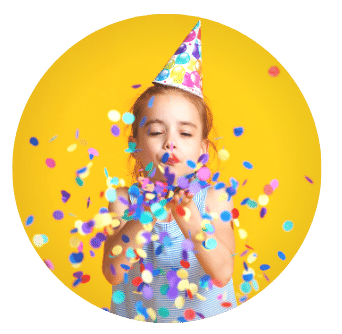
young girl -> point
(170, 260)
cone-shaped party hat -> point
(184, 69)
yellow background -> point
(96, 75)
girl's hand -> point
(183, 198)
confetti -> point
(34, 141)
(114, 116)
(288, 226)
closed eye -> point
(155, 133)
(185, 134)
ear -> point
(205, 146)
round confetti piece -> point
(85, 278)
(118, 297)
(274, 184)
(114, 115)
(147, 292)
(146, 276)
(141, 253)
(72, 147)
(180, 210)
(49, 264)
(273, 71)
(238, 131)
(288, 226)
(191, 164)
(223, 154)
(268, 190)
(125, 238)
(185, 264)
(117, 249)
(165, 157)
(264, 267)
(29, 220)
(110, 195)
(255, 285)
(189, 314)
(247, 165)
(245, 287)
(281, 256)
(203, 173)
(34, 141)
(179, 302)
(252, 204)
(226, 216)
(128, 118)
(235, 213)
(163, 312)
(136, 281)
(115, 130)
(242, 233)
(251, 258)
(263, 200)
(216, 176)
(211, 243)
(146, 218)
(38, 240)
(182, 273)
(163, 289)
(58, 215)
(50, 163)
(263, 212)
(226, 304)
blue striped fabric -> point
(170, 259)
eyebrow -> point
(152, 121)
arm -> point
(218, 262)
(131, 229)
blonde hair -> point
(141, 102)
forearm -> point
(218, 262)
(130, 230)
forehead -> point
(172, 107)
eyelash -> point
(159, 133)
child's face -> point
(173, 125)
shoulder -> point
(117, 206)
(218, 199)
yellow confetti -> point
(117, 249)
(85, 174)
(148, 227)
(109, 185)
(187, 213)
(214, 215)
(76, 265)
(78, 225)
(72, 148)
(152, 313)
(223, 197)
(74, 242)
(150, 196)
(102, 220)
(114, 116)
(242, 233)
(38, 240)
(223, 154)
(183, 285)
(155, 237)
(200, 297)
(122, 182)
(182, 273)
(236, 222)
(115, 223)
(161, 169)
(141, 253)
(263, 200)
(200, 236)
(251, 258)
(146, 276)
(90, 164)
(193, 288)
(179, 302)
(139, 317)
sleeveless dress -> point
(169, 259)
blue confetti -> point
(34, 141)
(247, 164)
(238, 131)
(281, 255)
(143, 121)
(264, 267)
(150, 102)
(165, 157)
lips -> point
(172, 160)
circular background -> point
(67, 114)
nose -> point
(169, 144)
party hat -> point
(184, 69)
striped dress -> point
(169, 259)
